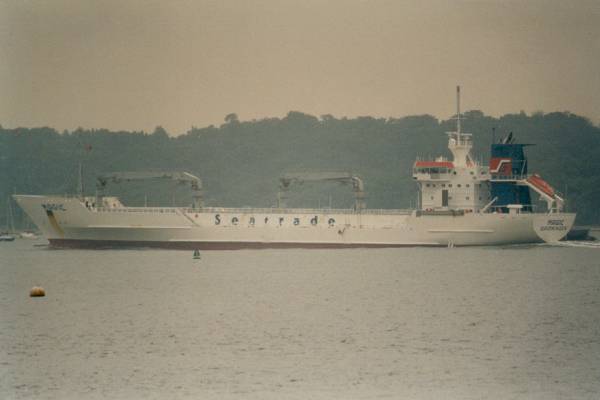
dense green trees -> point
(240, 161)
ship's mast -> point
(458, 113)
(460, 143)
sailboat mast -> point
(81, 180)
(10, 223)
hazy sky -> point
(134, 65)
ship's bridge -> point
(443, 185)
(431, 170)
(460, 184)
(443, 169)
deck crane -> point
(287, 180)
(178, 176)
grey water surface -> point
(520, 322)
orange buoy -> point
(37, 291)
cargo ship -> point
(461, 203)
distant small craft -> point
(579, 233)
(5, 237)
(28, 235)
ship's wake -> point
(578, 243)
(567, 243)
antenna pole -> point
(458, 112)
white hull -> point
(68, 222)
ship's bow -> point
(36, 208)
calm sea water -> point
(465, 323)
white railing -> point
(272, 210)
(495, 177)
(275, 210)
(152, 210)
(252, 210)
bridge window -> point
(467, 198)
(458, 185)
(432, 170)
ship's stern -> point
(554, 226)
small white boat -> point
(28, 235)
(5, 237)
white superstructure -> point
(461, 203)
